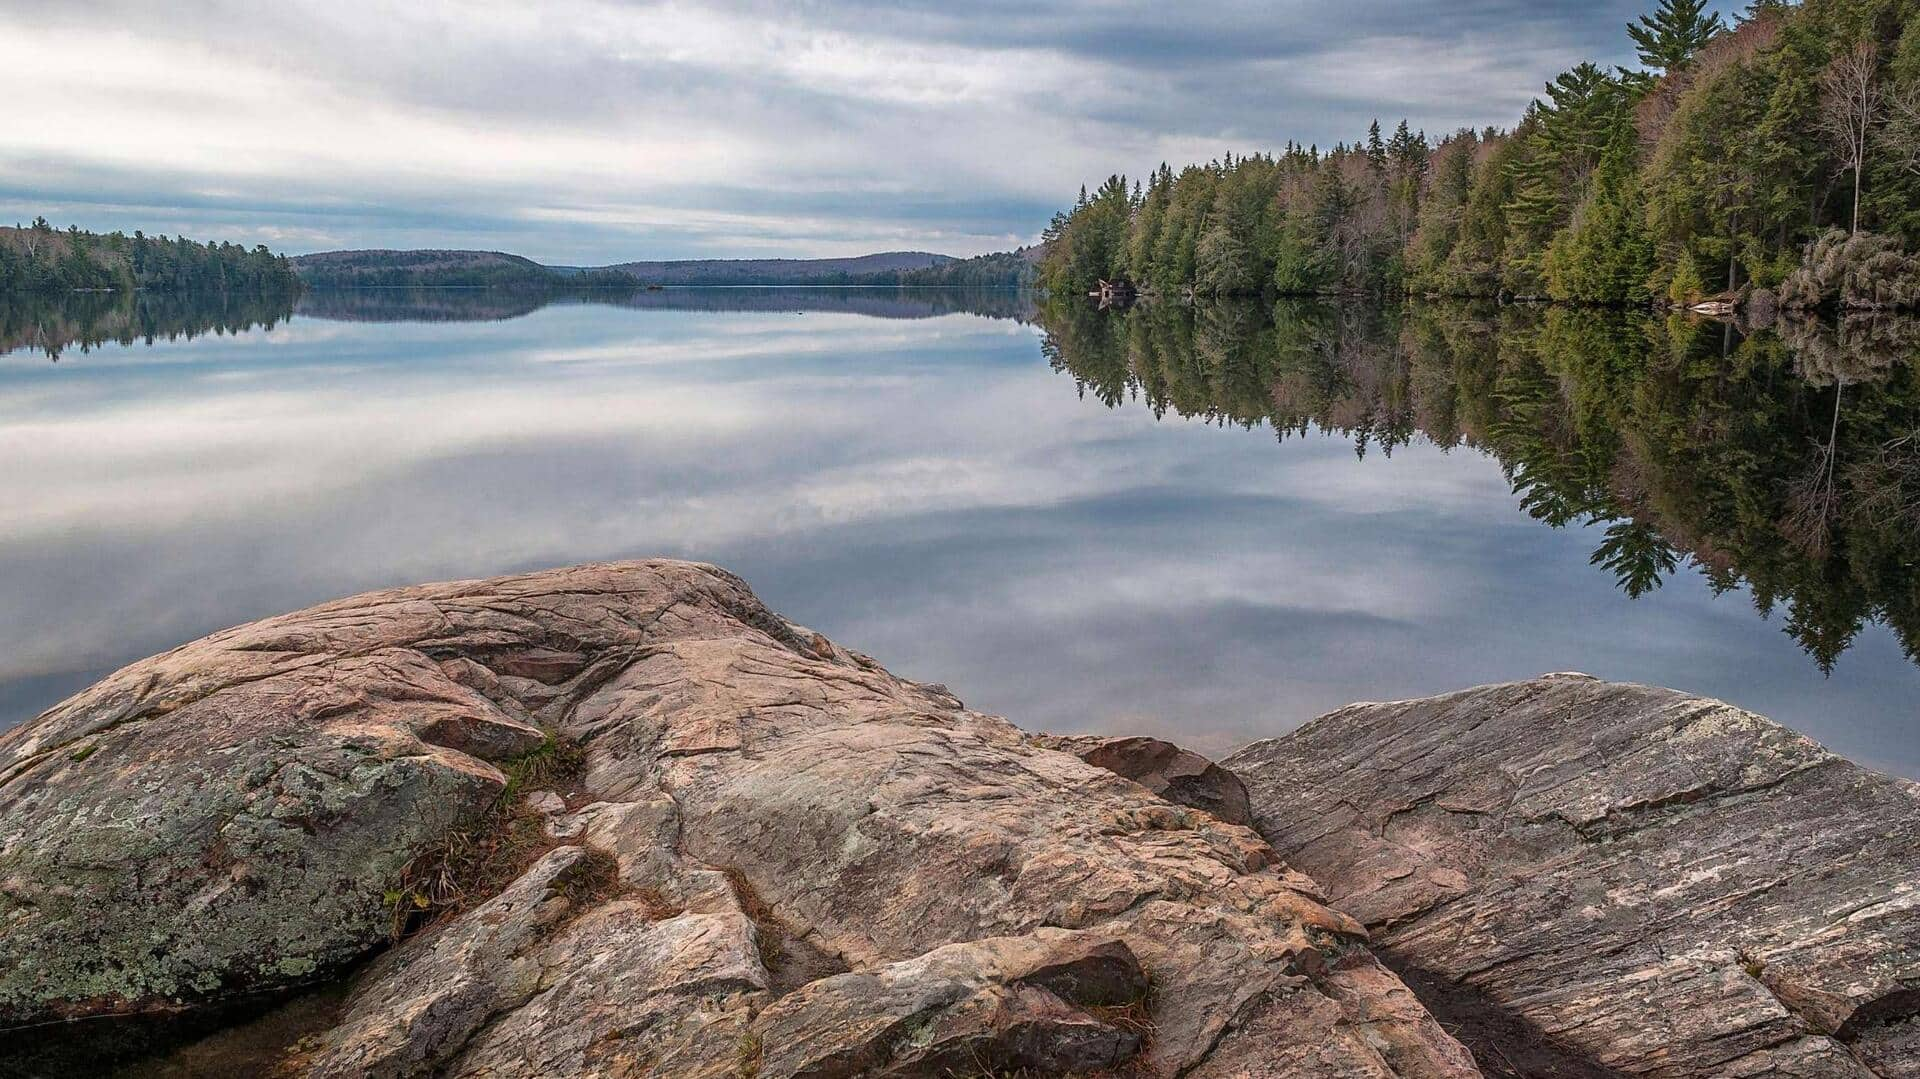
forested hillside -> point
(884, 268)
(1715, 167)
(331, 269)
(440, 268)
(1006, 269)
(40, 259)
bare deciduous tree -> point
(1850, 107)
(1902, 133)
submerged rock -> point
(776, 858)
(1597, 879)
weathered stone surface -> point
(1639, 881)
(228, 815)
(1178, 775)
(988, 1006)
(816, 868)
(423, 1004)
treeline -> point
(434, 268)
(38, 260)
(475, 305)
(1006, 269)
(1709, 172)
(495, 275)
(1785, 460)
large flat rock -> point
(1614, 879)
(777, 860)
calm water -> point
(1207, 525)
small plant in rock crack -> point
(473, 860)
(747, 1056)
(554, 759)
(768, 932)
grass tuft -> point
(472, 863)
(768, 931)
(747, 1056)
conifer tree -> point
(1668, 37)
(1606, 256)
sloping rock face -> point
(1615, 879)
(779, 859)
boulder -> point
(775, 858)
(1178, 775)
(1586, 878)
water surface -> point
(1210, 525)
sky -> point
(596, 131)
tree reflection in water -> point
(1784, 458)
(52, 326)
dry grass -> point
(472, 863)
(768, 931)
(659, 907)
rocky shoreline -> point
(623, 820)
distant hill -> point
(442, 267)
(348, 269)
(862, 269)
(430, 304)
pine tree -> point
(1687, 286)
(1578, 122)
(1670, 36)
(1757, 9)
(1606, 256)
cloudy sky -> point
(588, 131)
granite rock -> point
(777, 858)
(1605, 879)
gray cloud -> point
(591, 130)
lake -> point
(1209, 525)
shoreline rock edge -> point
(776, 859)
(1636, 880)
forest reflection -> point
(51, 326)
(1785, 459)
